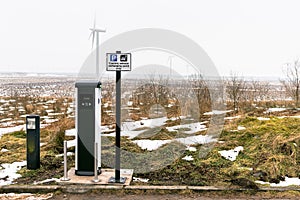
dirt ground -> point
(220, 195)
(166, 197)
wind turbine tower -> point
(170, 59)
(96, 31)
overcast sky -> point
(252, 37)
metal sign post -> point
(118, 62)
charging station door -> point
(88, 121)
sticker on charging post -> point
(86, 101)
(118, 61)
(31, 123)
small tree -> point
(259, 90)
(201, 90)
(235, 87)
(292, 81)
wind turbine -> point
(170, 59)
(96, 31)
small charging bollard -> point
(33, 141)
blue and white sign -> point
(113, 58)
(118, 61)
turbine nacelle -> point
(98, 30)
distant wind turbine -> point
(96, 31)
(170, 59)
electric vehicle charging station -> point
(33, 141)
(88, 121)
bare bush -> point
(292, 81)
(235, 90)
(201, 90)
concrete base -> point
(113, 180)
(103, 177)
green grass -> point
(19, 134)
(269, 146)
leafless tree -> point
(292, 81)
(154, 94)
(201, 90)
(235, 88)
(259, 90)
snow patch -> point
(270, 110)
(70, 132)
(231, 118)
(287, 182)
(9, 172)
(241, 128)
(49, 121)
(151, 144)
(193, 149)
(51, 102)
(192, 140)
(11, 129)
(193, 128)
(47, 181)
(188, 158)
(68, 154)
(6, 120)
(218, 112)
(263, 118)
(129, 134)
(198, 139)
(150, 123)
(143, 180)
(231, 154)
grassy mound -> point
(270, 153)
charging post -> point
(88, 121)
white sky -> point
(252, 37)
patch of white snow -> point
(231, 154)
(188, 158)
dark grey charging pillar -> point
(88, 121)
(33, 141)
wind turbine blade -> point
(91, 35)
(93, 39)
(94, 21)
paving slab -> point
(105, 175)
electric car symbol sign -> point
(118, 61)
